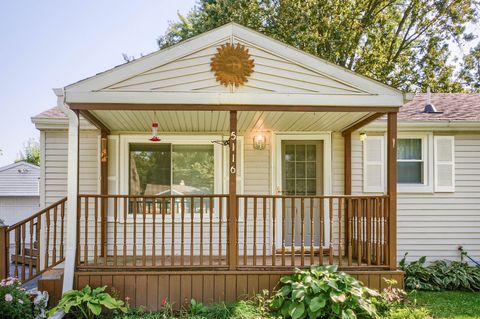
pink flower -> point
(164, 301)
(8, 297)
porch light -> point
(259, 141)
(155, 137)
(363, 136)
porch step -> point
(52, 282)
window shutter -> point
(374, 164)
(444, 161)
(113, 169)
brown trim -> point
(94, 120)
(362, 123)
(228, 107)
(392, 188)
(232, 192)
(347, 184)
(4, 252)
(104, 191)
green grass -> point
(450, 304)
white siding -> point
(16, 208)
(19, 179)
(56, 149)
(436, 224)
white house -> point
(211, 168)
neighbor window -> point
(169, 169)
(410, 161)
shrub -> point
(440, 275)
(322, 292)
(14, 300)
(408, 313)
(88, 303)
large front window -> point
(169, 169)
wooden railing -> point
(153, 232)
(191, 232)
(35, 244)
(299, 231)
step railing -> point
(35, 244)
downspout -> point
(72, 190)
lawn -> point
(450, 304)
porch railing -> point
(191, 232)
(35, 244)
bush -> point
(14, 300)
(88, 303)
(408, 313)
(440, 275)
(322, 292)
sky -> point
(52, 43)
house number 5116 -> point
(233, 137)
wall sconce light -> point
(104, 156)
(259, 141)
(363, 136)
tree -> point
(30, 153)
(403, 43)
(470, 73)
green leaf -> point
(317, 303)
(296, 310)
(95, 308)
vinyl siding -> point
(436, 224)
(14, 183)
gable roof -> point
(282, 75)
(453, 107)
(19, 179)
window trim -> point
(427, 157)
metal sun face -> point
(232, 65)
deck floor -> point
(207, 261)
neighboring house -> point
(19, 191)
(249, 179)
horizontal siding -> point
(435, 225)
(16, 183)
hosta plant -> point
(322, 292)
(88, 303)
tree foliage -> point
(404, 43)
(30, 153)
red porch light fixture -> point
(155, 137)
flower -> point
(164, 301)
(20, 301)
(8, 297)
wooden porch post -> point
(104, 188)
(232, 194)
(4, 251)
(347, 182)
(392, 188)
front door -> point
(302, 175)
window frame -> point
(124, 151)
(427, 159)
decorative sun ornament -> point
(232, 65)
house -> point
(19, 191)
(209, 169)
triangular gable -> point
(184, 70)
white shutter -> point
(113, 164)
(374, 164)
(444, 162)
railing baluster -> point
(201, 231)
(17, 250)
(292, 213)
(284, 213)
(350, 230)
(330, 250)
(23, 230)
(115, 216)
(274, 223)
(378, 254)
(264, 231)
(62, 235)
(302, 231)
(359, 232)
(134, 203)
(164, 209)
(245, 243)
(30, 263)
(172, 210)
(220, 221)
(369, 232)
(182, 247)
(125, 209)
(210, 202)
(144, 232)
(54, 249)
(254, 231)
(312, 232)
(95, 223)
(321, 230)
(38, 242)
(192, 203)
(154, 231)
(385, 230)
(340, 223)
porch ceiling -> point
(218, 121)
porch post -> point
(72, 191)
(392, 188)
(104, 188)
(347, 182)
(232, 194)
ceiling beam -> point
(362, 123)
(94, 120)
(227, 107)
